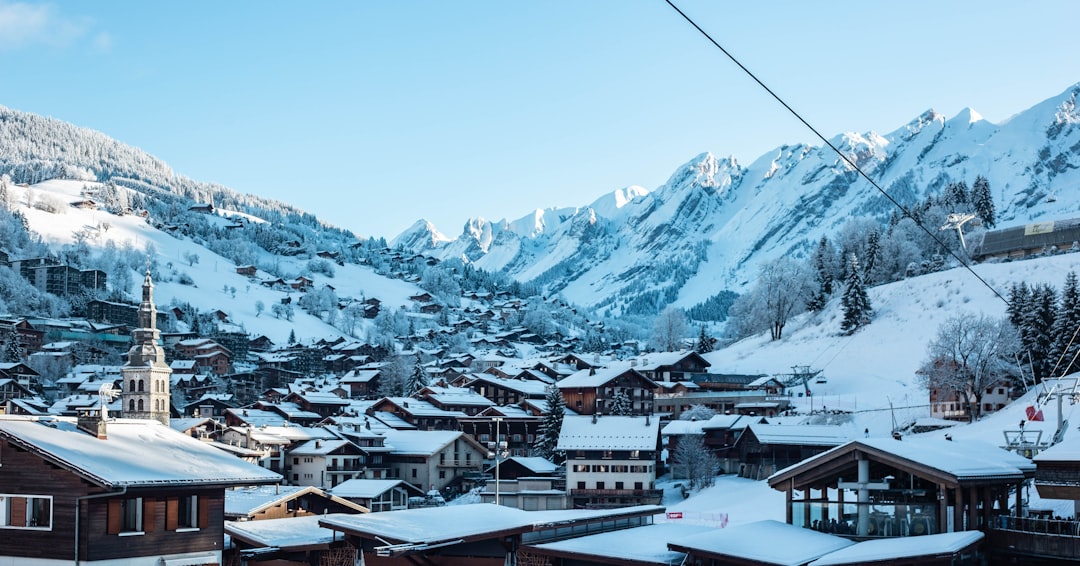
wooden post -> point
(943, 507)
(958, 510)
(1020, 498)
(790, 512)
(973, 508)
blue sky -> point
(372, 115)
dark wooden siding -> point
(26, 473)
(159, 535)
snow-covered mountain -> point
(715, 220)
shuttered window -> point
(26, 511)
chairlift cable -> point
(846, 159)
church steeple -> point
(147, 377)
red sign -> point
(674, 515)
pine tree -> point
(12, 351)
(855, 302)
(823, 264)
(621, 404)
(548, 432)
(418, 379)
(1035, 327)
(292, 336)
(704, 342)
(983, 202)
(956, 196)
(1065, 347)
(873, 254)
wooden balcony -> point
(1038, 539)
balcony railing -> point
(639, 493)
(459, 463)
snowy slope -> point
(212, 274)
(716, 220)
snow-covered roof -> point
(423, 408)
(647, 544)
(364, 488)
(580, 432)
(803, 435)
(281, 533)
(965, 459)
(420, 442)
(438, 524)
(901, 548)
(1068, 450)
(535, 463)
(243, 501)
(525, 386)
(135, 453)
(458, 396)
(318, 447)
(597, 377)
(757, 542)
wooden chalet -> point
(421, 414)
(95, 491)
(762, 449)
(592, 391)
(1037, 238)
(517, 428)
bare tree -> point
(695, 461)
(970, 354)
(669, 329)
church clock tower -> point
(147, 378)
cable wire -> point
(837, 150)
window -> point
(618, 485)
(581, 485)
(414, 472)
(187, 512)
(635, 454)
(442, 474)
(308, 459)
(581, 467)
(26, 511)
(131, 516)
(599, 485)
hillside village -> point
(191, 376)
(288, 449)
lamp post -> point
(498, 446)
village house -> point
(611, 461)
(433, 459)
(377, 494)
(597, 390)
(105, 491)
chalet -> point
(422, 298)
(11, 389)
(895, 488)
(600, 390)
(301, 283)
(120, 313)
(421, 414)
(260, 343)
(22, 374)
(202, 208)
(325, 463)
(210, 406)
(322, 404)
(106, 492)
(762, 449)
(672, 366)
(506, 391)
(87, 204)
(377, 495)
(30, 339)
(433, 459)
(611, 461)
(454, 399)
(362, 383)
(516, 428)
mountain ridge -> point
(717, 220)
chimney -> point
(90, 422)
